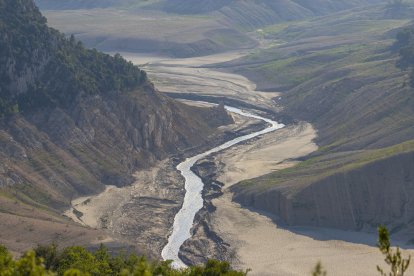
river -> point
(193, 200)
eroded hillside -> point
(74, 120)
(344, 80)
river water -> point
(193, 200)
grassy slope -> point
(324, 73)
(339, 73)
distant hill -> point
(180, 28)
(258, 13)
(300, 7)
(251, 13)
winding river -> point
(193, 200)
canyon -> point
(90, 156)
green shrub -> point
(77, 261)
(398, 265)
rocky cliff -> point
(73, 120)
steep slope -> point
(344, 80)
(73, 120)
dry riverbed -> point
(145, 211)
(254, 239)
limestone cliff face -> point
(381, 192)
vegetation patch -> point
(78, 261)
(31, 52)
